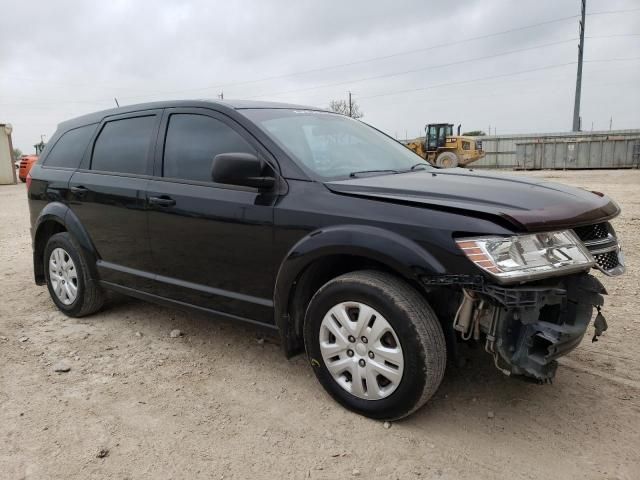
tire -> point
(89, 297)
(447, 160)
(23, 180)
(413, 324)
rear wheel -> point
(447, 160)
(67, 276)
(375, 344)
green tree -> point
(474, 133)
(17, 153)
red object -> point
(26, 162)
(28, 180)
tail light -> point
(28, 180)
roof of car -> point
(220, 104)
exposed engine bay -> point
(526, 329)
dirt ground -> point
(219, 403)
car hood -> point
(528, 204)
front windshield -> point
(333, 146)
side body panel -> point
(212, 245)
(112, 209)
(213, 248)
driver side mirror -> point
(242, 169)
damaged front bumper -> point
(528, 328)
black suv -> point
(321, 227)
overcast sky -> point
(407, 63)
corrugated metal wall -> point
(610, 149)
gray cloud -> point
(62, 59)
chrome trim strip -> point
(612, 248)
(601, 241)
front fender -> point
(397, 253)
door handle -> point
(79, 191)
(163, 201)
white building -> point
(7, 168)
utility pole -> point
(350, 105)
(576, 105)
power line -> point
(415, 70)
(611, 12)
(509, 74)
(604, 60)
(528, 89)
(388, 75)
(368, 60)
(463, 82)
(614, 35)
(113, 87)
(490, 77)
(393, 55)
(66, 84)
(358, 62)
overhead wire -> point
(378, 58)
(415, 70)
(501, 75)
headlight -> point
(527, 257)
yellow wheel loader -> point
(444, 149)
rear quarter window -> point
(123, 145)
(69, 149)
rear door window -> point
(69, 149)
(193, 141)
(123, 145)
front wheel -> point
(447, 160)
(375, 344)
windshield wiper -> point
(387, 170)
(421, 164)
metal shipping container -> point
(609, 149)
